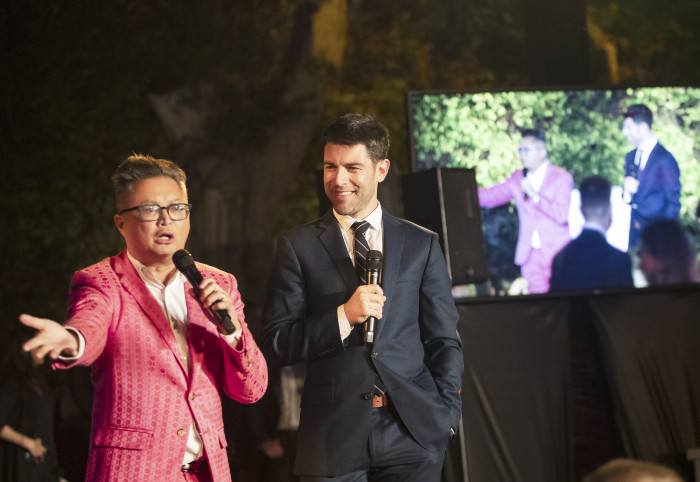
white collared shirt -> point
(375, 238)
(646, 147)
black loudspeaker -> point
(446, 201)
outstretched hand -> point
(51, 338)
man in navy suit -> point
(652, 185)
(370, 411)
(589, 262)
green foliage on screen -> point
(482, 131)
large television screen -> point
(482, 130)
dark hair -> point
(536, 133)
(628, 470)
(354, 129)
(138, 167)
(666, 242)
(595, 197)
(20, 362)
(639, 113)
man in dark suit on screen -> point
(652, 185)
(370, 411)
(589, 262)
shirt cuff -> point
(343, 323)
(81, 346)
(234, 337)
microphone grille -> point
(374, 260)
(183, 259)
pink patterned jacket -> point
(144, 397)
(550, 216)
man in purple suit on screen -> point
(542, 194)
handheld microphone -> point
(184, 262)
(525, 196)
(374, 268)
(634, 171)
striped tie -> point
(361, 249)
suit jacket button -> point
(366, 396)
(192, 396)
(375, 354)
(181, 432)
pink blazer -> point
(550, 216)
(144, 397)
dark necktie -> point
(361, 249)
(637, 166)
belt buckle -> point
(379, 401)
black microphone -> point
(524, 176)
(634, 171)
(374, 268)
(185, 263)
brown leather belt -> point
(196, 466)
(379, 401)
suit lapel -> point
(134, 285)
(332, 241)
(199, 328)
(394, 239)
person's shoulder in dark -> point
(590, 262)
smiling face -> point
(351, 179)
(153, 242)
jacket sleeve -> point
(290, 333)
(501, 193)
(245, 368)
(91, 312)
(438, 321)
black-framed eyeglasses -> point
(152, 212)
(526, 150)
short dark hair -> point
(138, 167)
(353, 129)
(595, 197)
(628, 470)
(639, 113)
(536, 133)
(666, 242)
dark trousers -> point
(391, 455)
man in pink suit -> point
(542, 193)
(158, 358)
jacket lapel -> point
(394, 239)
(332, 241)
(134, 285)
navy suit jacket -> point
(589, 262)
(659, 192)
(416, 351)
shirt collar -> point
(540, 169)
(147, 275)
(595, 227)
(374, 219)
(648, 144)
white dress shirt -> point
(375, 238)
